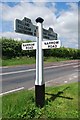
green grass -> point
(62, 103)
(28, 60)
(18, 61)
(54, 59)
(0, 107)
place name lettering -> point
(29, 47)
(48, 43)
(24, 45)
(52, 46)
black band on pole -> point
(40, 95)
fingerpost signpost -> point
(25, 26)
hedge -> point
(12, 48)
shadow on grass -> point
(54, 96)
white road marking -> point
(31, 88)
(46, 82)
(11, 91)
(75, 76)
(59, 66)
(35, 69)
(17, 72)
(70, 78)
(65, 81)
(3, 67)
(76, 66)
(53, 79)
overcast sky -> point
(61, 16)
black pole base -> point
(40, 95)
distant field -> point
(61, 102)
(28, 60)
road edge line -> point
(11, 91)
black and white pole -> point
(39, 82)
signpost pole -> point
(39, 82)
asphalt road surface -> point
(23, 77)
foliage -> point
(12, 48)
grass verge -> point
(18, 61)
(28, 60)
(60, 102)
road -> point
(23, 77)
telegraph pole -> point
(39, 82)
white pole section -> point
(37, 60)
(39, 57)
(41, 81)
